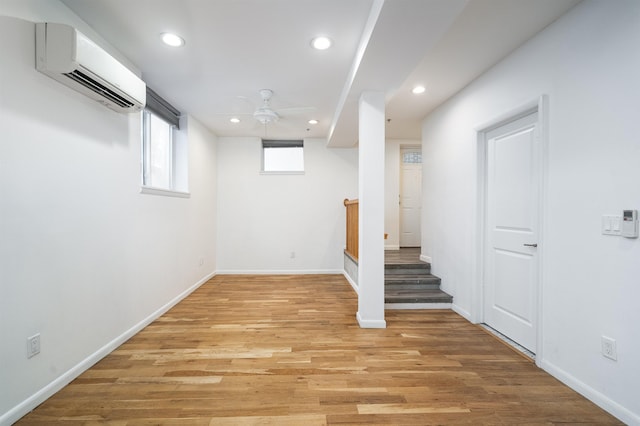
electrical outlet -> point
(293, 255)
(609, 348)
(33, 345)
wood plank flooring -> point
(287, 350)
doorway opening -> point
(410, 196)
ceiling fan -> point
(265, 114)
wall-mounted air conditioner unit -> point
(65, 54)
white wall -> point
(263, 218)
(588, 64)
(392, 189)
(85, 259)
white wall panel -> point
(265, 218)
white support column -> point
(371, 214)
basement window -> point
(164, 149)
(282, 156)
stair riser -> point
(412, 287)
(407, 279)
(417, 295)
(412, 283)
(417, 300)
(411, 277)
(429, 279)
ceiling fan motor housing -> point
(265, 115)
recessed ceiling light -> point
(321, 43)
(418, 89)
(234, 120)
(313, 121)
(172, 40)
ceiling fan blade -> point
(242, 104)
(239, 106)
(296, 111)
(232, 114)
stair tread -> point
(409, 300)
(422, 291)
(411, 281)
(405, 271)
(410, 276)
(416, 276)
(407, 265)
(412, 287)
(418, 284)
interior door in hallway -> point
(511, 261)
(410, 196)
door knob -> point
(531, 245)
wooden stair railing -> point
(352, 228)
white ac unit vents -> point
(65, 54)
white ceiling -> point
(234, 48)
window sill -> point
(164, 192)
(281, 173)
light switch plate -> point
(611, 224)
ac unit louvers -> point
(65, 54)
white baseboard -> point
(279, 272)
(392, 247)
(425, 258)
(353, 283)
(462, 312)
(22, 409)
(604, 402)
(370, 323)
(409, 306)
(588, 392)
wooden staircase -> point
(409, 284)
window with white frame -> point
(158, 152)
(164, 165)
(282, 156)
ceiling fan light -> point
(312, 121)
(321, 43)
(265, 115)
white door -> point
(511, 270)
(410, 196)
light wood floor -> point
(286, 350)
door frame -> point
(539, 105)
(400, 181)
